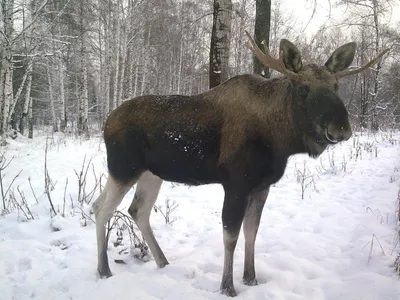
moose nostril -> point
(346, 134)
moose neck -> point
(253, 106)
(308, 141)
(285, 118)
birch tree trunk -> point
(374, 94)
(220, 42)
(136, 77)
(83, 126)
(7, 67)
(364, 86)
(63, 123)
(145, 50)
(19, 92)
(123, 48)
(7, 96)
(131, 72)
(24, 118)
(240, 39)
(30, 119)
(180, 66)
(116, 58)
(51, 99)
(107, 62)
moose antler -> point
(362, 68)
(268, 61)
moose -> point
(239, 134)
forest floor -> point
(339, 242)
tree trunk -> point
(116, 58)
(107, 62)
(146, 58)
(180, 66)
(18, 94)
(102, 73)
(6, 93)
(135, 86)
(30, 119)
(61, 72)
(240, 39)
(261, 33)
(374, 112)
(23, 121)
(7, 97)
(83, 127)
(51, 99)
(220, 42)
(123, 47)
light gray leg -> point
(145, 196)
(233, 211)
(103, 208)
(230, 241)
(250, 227)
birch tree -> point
(116, 62)
(24, 117)
(6, 71)
(28, 12)
(83, 127)
(370, 14)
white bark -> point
(108, 60)
(146, 58)
(84, 104)
(8, 96)
(116, 58)
(62, 95)
(30, 118)
(25, 111)
(180, 66)
(7, 66)
(136, 79)
(51, 99)
(123, 48)
(84, 97)
(19, 91)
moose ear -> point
(291, 56)
(341, 58)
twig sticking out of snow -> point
(48, 184)
(170, 206)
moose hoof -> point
(229, 291)
(250, 282)
(163, 264)
(104, 274)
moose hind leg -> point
(250, 228)
(145, 196)
(232, 218)
(103, 208)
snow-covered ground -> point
(339, 242)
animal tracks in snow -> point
(314, 248)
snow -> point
(339, 242)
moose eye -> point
(303, 90)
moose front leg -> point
(250, 228)
(232, 217)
